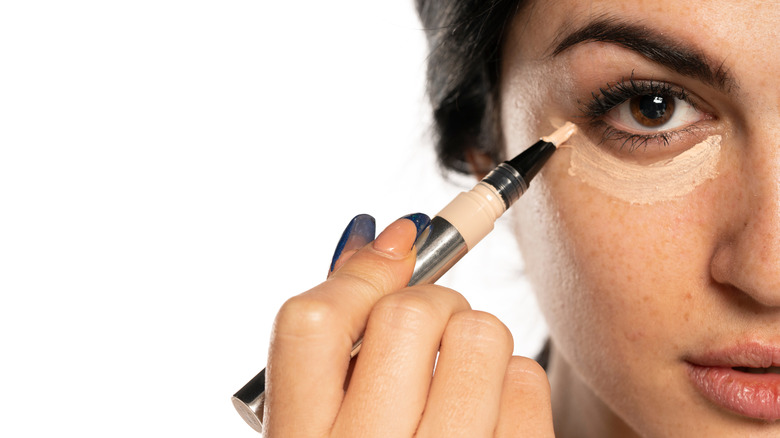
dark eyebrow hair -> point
(653, 46)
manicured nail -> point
(421, 221)
(395, 239)
(359, 232)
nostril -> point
(719, 266)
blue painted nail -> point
(359, 232)
(421, 221)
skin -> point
(629, 291)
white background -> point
(172, 171)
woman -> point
(652, 240)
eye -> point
(656, 117)
(649, 114)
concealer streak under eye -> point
(646, 184)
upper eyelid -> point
(616, 93)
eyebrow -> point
(653, 46)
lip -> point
(751, 395)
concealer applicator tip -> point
(531, 160)
(561, 134)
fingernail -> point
(395, 240)
(359, 232)
(421, 221)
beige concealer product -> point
(452, 233)
(646, 184)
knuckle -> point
(405, 309)
(302, 315)
(440, 293)
(365, 280)
(481, 327)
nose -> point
(749, 257)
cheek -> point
(612, 278)
(626, 289)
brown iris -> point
(651, 111)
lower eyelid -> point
(645, 149)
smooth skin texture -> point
(630, 292)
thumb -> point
(362, 277)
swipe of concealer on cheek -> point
(646, 184)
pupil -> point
(653, 107)
(652, 111)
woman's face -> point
(653, 242)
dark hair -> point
(464, 41)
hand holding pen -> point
(314, 390)
(378, 298)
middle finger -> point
(389, 386)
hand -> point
(478, 388)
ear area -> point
(480, 163)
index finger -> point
(314, 332)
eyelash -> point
(613, 95)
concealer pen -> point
(452, 233)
